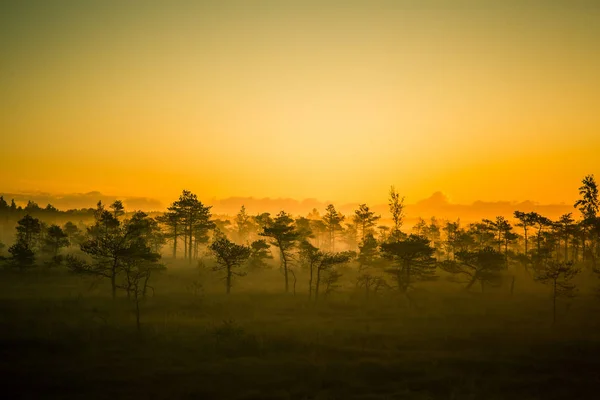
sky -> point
(328, 100)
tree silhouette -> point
(229, 257)
(55, 240)
(332, 220)
(29, 230)
(588, 205)
(22, 256)
(311, 256)
(326, 265)
(117, 209)
(452, 230)
(558, 276)
(319, 229)
(368, 251)
(527, 220)
(484, 266)
(171, 220)
(420, 228)
(72, 231)
(368, 258)
(195, 218)
(115, 246)
(564, 226)
(396, 205)
(304, 228)
(413, 261)
(365, 219)
(138, 263)
(283, 234)
(243, 225)
(259, 253)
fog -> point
(373, 302)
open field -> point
(61, 338)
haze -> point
(329, 102)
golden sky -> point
(327, 101)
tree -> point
(367, 257)
(588, 205)
(263, 220)
(368, 251)
(331, 281)
(72, 231)
(413, 261)
(326, 272)
(243, 225)
(317, 226)
(171, 220)
(117, 209)
(115, 246)
(484, 266)
(526, 221)
(565, 228)
(304, 228)
(310, 256)
(540, 223)
(365, 219)
(283, 234)
(229, 257)
(350, 235)
(396, 205)
(22, 256)
(138, 263)
(332, 220)
(55, 240)
(29, 230)
(420, 228)
(195, 218)
(32, 207)
(558, 276)
(452, 230)
(259, 253)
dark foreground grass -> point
(59, 339)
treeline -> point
(126, 249)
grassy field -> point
(63, 338)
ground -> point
(63, 338)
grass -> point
(61, 339)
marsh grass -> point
(59, 338)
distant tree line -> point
(126, 249)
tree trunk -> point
(285, 269)
(471, 282)
(137, 311)
(228, 279)
(113, 279)
(185, 245)
(175, 237)
(554, 303)
(310, 281)
(317, 284)
(146, 279)
(293, 276)
(190, 244)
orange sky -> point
(328, 102)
